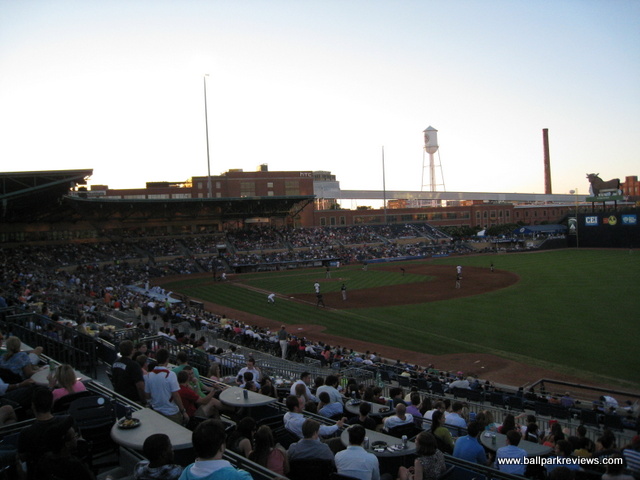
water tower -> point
(431, 147)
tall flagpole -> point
(206, 127)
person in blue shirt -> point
(209, 444)
(468, 447)
(510, 458)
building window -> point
(269, 184)
(506, 214)
(332, 221)
(247, 189)
(218, 185)
(343, 220)
(323, 221)
(291, 187)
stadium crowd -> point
(80, 281)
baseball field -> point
(575, 313)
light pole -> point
(206, 128)
(575, 192)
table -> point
(40, 377)
(374, 436)
(376, 409)
(234, 397)
(151, 422)
(532, 449)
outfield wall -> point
(614, 229)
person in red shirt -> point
(194, 404)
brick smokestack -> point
(547, 162)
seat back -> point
(313, 469)
(404, 381)
(62, 404)
(95, 416)
(340, 476)
(408, 429)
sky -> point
(118, 86)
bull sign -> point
(600, 188)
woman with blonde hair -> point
(16, 361)
(67, 381)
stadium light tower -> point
(206, 128)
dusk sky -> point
(117, 86)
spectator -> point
(329, 409)
(294, 420)
(455, 418)
(355, 461)
(305, 379)
(266, 453)
(400, 418)
(511, 451)
(430, 463)
(414, 408)
(209, 443)
(65, 377)
(330, 386)
(310, 447)
(45, 435)
(241, 440)
(162, 390)
(193, 403)
(251, 369)
(631, 454)
(16, 361)
(363, 418)
(441, 433)
(126, 375)
(468, 447)
(508, 424)
(159, 452)
(563, 452)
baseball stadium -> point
(516, 307)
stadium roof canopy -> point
(49, 196)
(533, 229)
(37, 196)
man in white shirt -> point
(162, 389)
(251, 368)
(330, 384)
(400, 418)
(293, 419)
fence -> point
(68, 346)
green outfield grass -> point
(573, 311)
